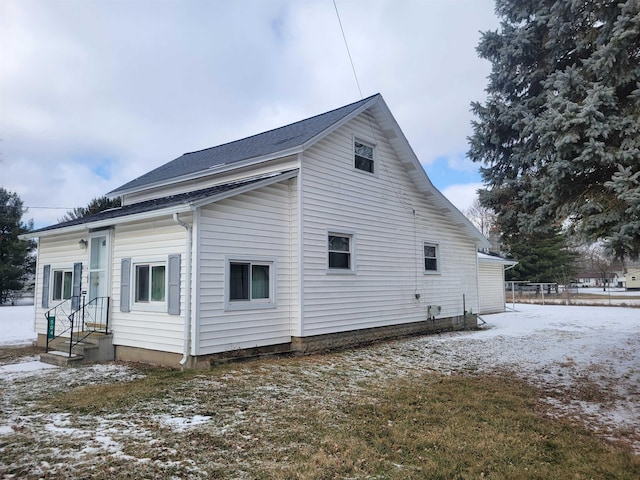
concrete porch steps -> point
(95, 348)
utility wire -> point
(348, 52)
(54, 208)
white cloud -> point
(140, 83)
(462, 196)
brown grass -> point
(421, 426)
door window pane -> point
(98, 253)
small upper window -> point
(430, 257)
(62, 284)
(340, 251)
(363, 157)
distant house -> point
(595, 279)
(326, 232)
(491, 282)
(632, 279)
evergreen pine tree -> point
(16, 261)
(96, 205)
(559, 133)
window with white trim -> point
(363, 156)
(339, 250)
(150, 283)
(62, 284)
(431, 263)
(250, 283)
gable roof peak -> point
(272, 142)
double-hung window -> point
(62, 284)
(340, 251)
(150, 283)
(431, 262)
(363, 156)
(250, 283)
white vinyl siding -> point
(148, 243)
(491, 287)
(61, 252)
(390, 255)
(251, 227)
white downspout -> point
(187, 308)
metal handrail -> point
(88, 318)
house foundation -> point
(298, 345)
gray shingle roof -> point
(158, 203)
(266, 143)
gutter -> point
(187, 308)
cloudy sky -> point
(96, 93)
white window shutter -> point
(46, 277)
(125, 284)
(173, 295)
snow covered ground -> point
(585, 359)
(17, 323)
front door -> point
(98, 266)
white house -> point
(491, 270)
(632, 279)
(323, 233)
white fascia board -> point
(340, 123)
(275, 178)
(209, 171)
(482, 257)
(429, 188)
(112, 221)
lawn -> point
(547, 392)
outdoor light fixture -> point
(83, 243)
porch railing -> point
(89, 317)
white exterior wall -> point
(61, 252)
(632, 278)
(379, 211)
(491, 285)
(148, 241)
(257, 224)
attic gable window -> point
(363, 157)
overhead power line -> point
(344, 37)
(53, 208)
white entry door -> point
(98, 266)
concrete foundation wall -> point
(298, 345)
(334, 341)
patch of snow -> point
(17, 324)
(182, 423)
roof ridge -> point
(363, 100)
